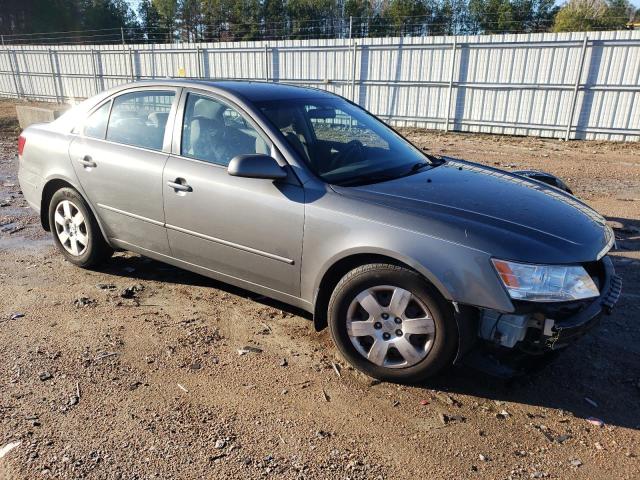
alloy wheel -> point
(71, 228)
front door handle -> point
(87, 162)
(180, 185)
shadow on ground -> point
(602, 367)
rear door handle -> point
(86, 161)
(179, 186)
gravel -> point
(201, 409)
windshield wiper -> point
(356, 182)
(416, 167)
(433, 162)
(434, 159)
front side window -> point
(96, 123)
(215, 132)
(140, 118)
(343, 144)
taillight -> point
(22, 141)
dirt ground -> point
(101, 383)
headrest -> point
(206, 108)
(158, 119)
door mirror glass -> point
(256, 166)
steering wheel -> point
(354, 148)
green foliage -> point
(360, 11)
(150, 21)
(407, 17)
(511, 16)
(312, 18)
(206, 20)
(28, 16)
(587, 15)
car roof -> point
(251, 90)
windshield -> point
(341, 143)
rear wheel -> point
(75, 230)
(391, 324)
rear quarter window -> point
(96, 124)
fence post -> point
(199, 60)
(131, 66)
(95, 70)
(266, 63)
(576, 86)
(153, 61)
(353, 72)
(13, 73)
(53, 75)
(19, 87)
(450, 89)
(350, 26)
(2, 37)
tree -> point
(442, 20)
(407, 17)
(275, 20)
(150, 21)
(619, 13)
(189, 19)
(245, 18)
(492, 16)
(587, 15)
(20, 16)
(167, 9)
(312, 18)
(99, 15)
(360, 10)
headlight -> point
(545, 283)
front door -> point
(240, 228)
(118, 157)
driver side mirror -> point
(256, 166)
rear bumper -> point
(549, 327)
(30, 184)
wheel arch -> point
(50, 187)
(339, 267)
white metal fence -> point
(572, 85)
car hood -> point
(498, 212)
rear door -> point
(242, 228)
(119, 156)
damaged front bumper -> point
(538, 328)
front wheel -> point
(75, 230)
(391, 324)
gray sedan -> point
(414, 261)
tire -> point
(75, 230)
(414, 323)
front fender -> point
(336, 228)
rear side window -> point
(96, 123)
(140, 118)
